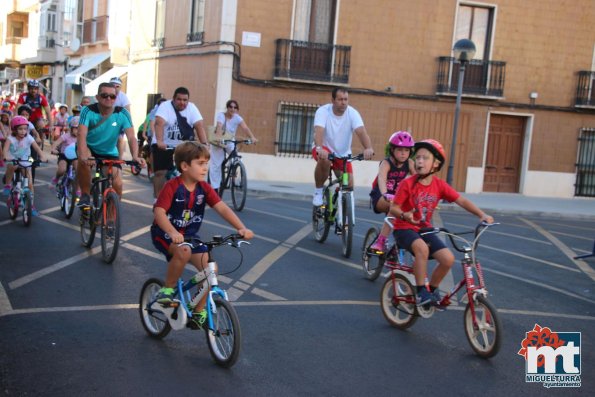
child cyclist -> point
(59, 147)
(393, 169)
(18, 147)
(413, 207)
(179, 212)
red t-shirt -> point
(424, 199)
(37, 104)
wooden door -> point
(505, 148)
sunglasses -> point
(105, 96)
(232, 107)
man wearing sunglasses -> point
(100, 125)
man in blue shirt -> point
(100, 125)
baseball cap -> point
(116, 80)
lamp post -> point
(464, 50)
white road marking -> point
(134, 306)
(51, 269)
(542, 285)
(5, 306)
(582, 265)
(268, 213)
(530, 258)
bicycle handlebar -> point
(479, 229)
(236, 142)
(234, 239)
(349, 157)
(25, 163)
(100, 161)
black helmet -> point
(23, 108)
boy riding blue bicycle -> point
(179, 213)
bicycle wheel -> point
(485, 336)
(69, 199)
(397, 299)
(110, 228)
(27, 209)
(12, 203)
(87, 221)
(348, 222)
(320, 223)
(225, 339)
(224, 183)
(154, 321)
(239, 185)
(371, 262)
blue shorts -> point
(162, 241)
(406, 237)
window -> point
(51, 20)
(17, 28)
(314, 21)
(475, 23)
(159, 38)
(197, 21)
(295, 128)
(585, 165)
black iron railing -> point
(295, 125)
(585, 166)
(303, 60)
(483, 78)
(584, 90)
(158, 42)
(195, 37)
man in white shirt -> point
(169, 133)
(334, 125)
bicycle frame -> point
(468, 263)
(231, 158)
(342, 189)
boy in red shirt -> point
(413, 207)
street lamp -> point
(464, 50)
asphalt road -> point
(311, 323)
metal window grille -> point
(585, 165)
(295, 129)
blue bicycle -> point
(222, 326)
(20, 196)
(65, 188)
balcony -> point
(585, 88)
(95, 29)
(195, 37)
(315, 62)
(483, 79)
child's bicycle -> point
(20, 195)
(65, 188)
(222, 326)
(397, 297)
(145, 152)
(233, 175)
(338, 207)
(104, 211)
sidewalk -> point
(496, 203)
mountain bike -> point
(338, 207)
(66, 191)
(222, 326)
(483, 327)
(233, 175)
(104, 210)
(20, 195)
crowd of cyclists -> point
(406, 186)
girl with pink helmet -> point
(18, 147)
(393, 169)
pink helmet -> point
(401, 139)
(17, 121)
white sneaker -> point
(317, 200)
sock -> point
(418, 288)
(318, 190)
(432, 288)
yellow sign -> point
(36, 71)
